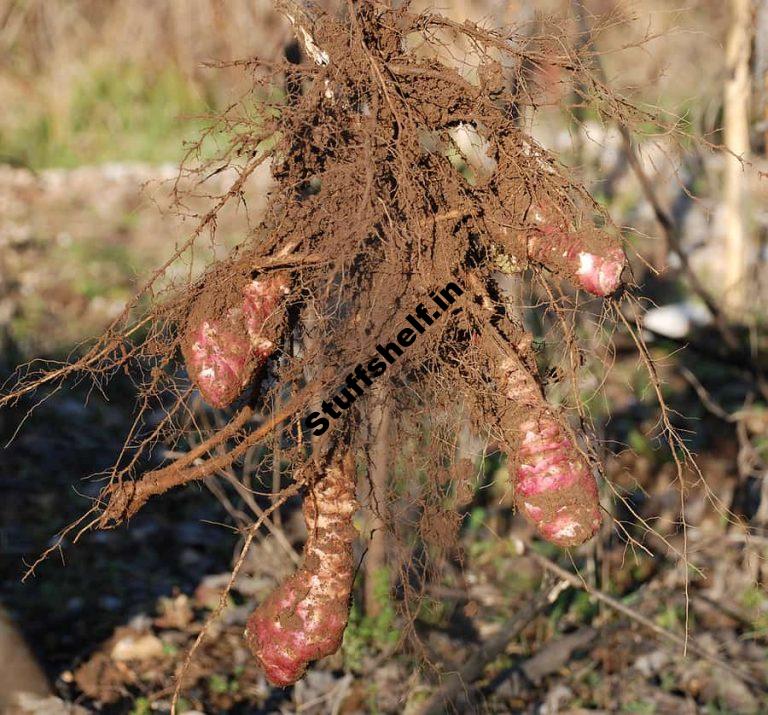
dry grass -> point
(78, 72)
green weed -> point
(365, 634)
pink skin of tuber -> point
(600, 275)
(552, 471)
(554, 486)
(222, 354)
(217, 361)
(304, 618)
(597, 268)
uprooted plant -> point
(375, 204)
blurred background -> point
(100, 100)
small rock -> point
(676, 320)
(556, 698)
(140, 623)
(651, 663)
(29, 704)
(137, 647)
(174, 612)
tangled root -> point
(368, 215)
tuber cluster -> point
(304, 618)
(366, 207)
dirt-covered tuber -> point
(572, 247)
(223, 353)
(590, 258)
(304, 619)
(553, 483)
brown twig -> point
(124, 499)
(457, 682)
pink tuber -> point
(223, 353)
(553, 483)
(591, 258)
(304, 619)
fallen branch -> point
(457, 682)
(551, 658)
(684, 643)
